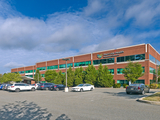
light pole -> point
(66, 88)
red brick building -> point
(115, 59)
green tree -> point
(107, 80)
(70, 77)
(90, 75)
(133, 71)
(37, 76)
(1, 80)
(9, 77)
(78, 76)
(50, 75)
(104, 77)
(59, 78)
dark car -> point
(137, 88)
(57, 87)
(45, 86)
(1, 86)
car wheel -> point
(91, 89)
(46, 88)
(143, 92)
(81, 90)
(127, 92)
(17, 90)
(33, 89)
(57, 89)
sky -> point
(32, 31)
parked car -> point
(83, 87)
(45, 86)
(17, 87)
(137, 88)
(5, 87)
(36, 85)
(57, 87)
(1, 86)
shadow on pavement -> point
(63, 117)
(23, 111)
(129, 96)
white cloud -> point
(94, 7)
(112, 43)
(144, 12)
(13, 65)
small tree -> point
(90, 75)
(133, 71)
(37, 76)
(9, 77)
(78, 76)
(59, 78)
(50, 75)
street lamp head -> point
(66, 59)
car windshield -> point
(80, 85)
(134, 85)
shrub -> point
(153, 86)
(117, 85)
(159, 86)
(125, 85)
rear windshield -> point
(134, 85)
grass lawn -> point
(154, 97)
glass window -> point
(140, 81)
(152, 70)
(43, 75)
(52, 67)
(103, 61)
(111, 71)
(131, 58)
(85, 63)
(29, 71)
(21, 72)
(143, 69)
(119, 70)
(29, 76)
(123, 82)
(64, 65)
(41, 68)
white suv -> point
(17, 87)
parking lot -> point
(99, 104)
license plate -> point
(131, 88)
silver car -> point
(137, 88)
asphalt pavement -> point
(99, 104)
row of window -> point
(126, 82)
(153, 59)
(152, 70)
(131, 58)
(119, 70)
(103, 61)
(43, 75)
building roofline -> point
(154, 49)
(120, 48)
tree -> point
(90, 75)
(37, 76)
(104, 77)
(59, 78)
(9, 77)
(70, 77)
(50, 75)
(1, 80)
(78, 76)
(133, 71)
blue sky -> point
(38, 30)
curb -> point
(148, 102)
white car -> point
(17, 87)
(83, 87)
(36, 85)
